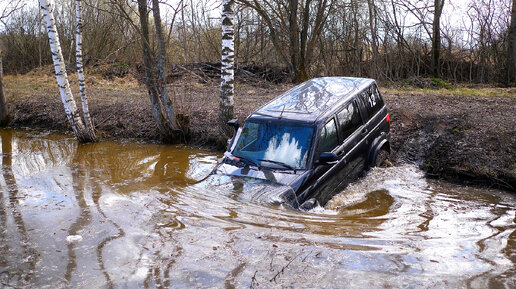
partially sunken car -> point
(308, 144)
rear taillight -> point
(388, 119)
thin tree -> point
(372, 20)
(72, 113)
(80, 71)
(301, 22)
(226, 102)
(162, 107)
(4, 112)
(436, 38)
(511, 50)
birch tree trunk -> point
(80, 71)
(72, 113)
(226, 102)
(4, 112)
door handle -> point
(364, 131)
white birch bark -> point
(80, 70)
(60, 71)
(226, 102)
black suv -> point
(306, 145)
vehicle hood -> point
(280, 177)
(249, 189)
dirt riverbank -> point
(458, 138)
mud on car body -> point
(306, 145)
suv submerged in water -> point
(308, 144)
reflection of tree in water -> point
(160, 246)
(315, 95)
(24, 269)
(95, 169)
(171, 166)
(84, 219)
(96, 196)
(42, 152)
(4, 247)
(131, 170)
(166, 251)
(497, 280)
(92, 162)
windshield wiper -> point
(279, 163)
(248, 161)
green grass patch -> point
(437, 82)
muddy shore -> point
(468, 139)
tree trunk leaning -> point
(226, 102)
(72, 113)
(162, 107)
(4, 112)
(80, 72)
(168, 107)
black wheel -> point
(381, 157)
(309, 204)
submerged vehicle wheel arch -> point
(381, 157)
(380, 144)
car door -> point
(353, 149)
(350, 148)
(318, 183)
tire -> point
(309, 204)
(381, 157)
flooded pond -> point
(127, 215)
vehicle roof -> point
(312, 100)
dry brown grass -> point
(460, 91)
(436, 126)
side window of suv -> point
(349, 120)
(328, 138)
(372, 100)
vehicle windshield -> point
(271, 144)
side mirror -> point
(234, 123)
(328, 158)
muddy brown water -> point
(144, 224)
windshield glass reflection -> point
(277, 142)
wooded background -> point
(383, 39)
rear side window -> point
(349, 120)
(372, 100)
(328, 138)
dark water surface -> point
(143, 225)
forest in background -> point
(388, 40)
